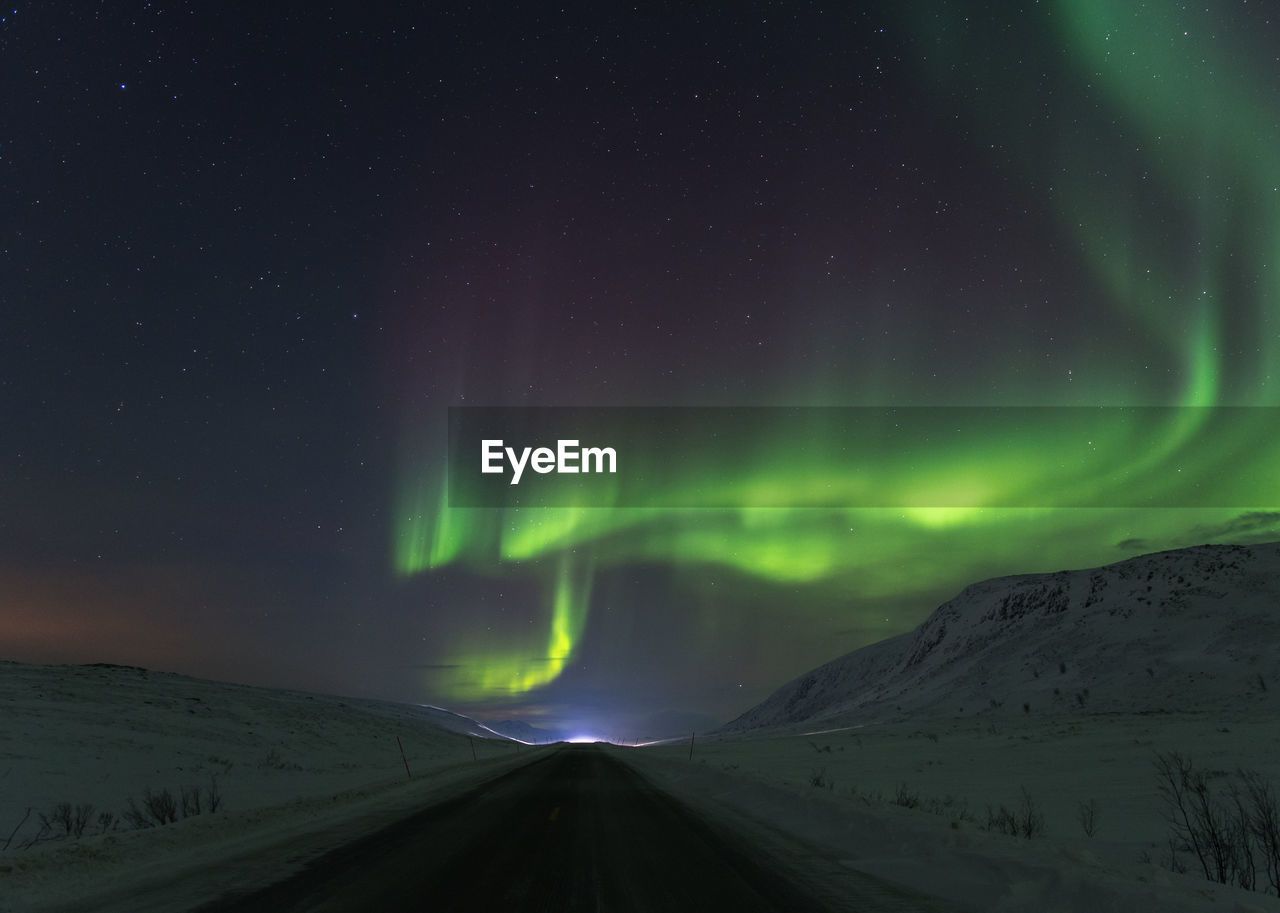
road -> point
(577, 830)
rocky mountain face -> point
(1189, 629)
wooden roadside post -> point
(691, 738)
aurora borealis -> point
(254, 255)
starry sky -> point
(250, 254)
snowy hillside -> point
(102, 733)
(102, 738)
(1189, 629)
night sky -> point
(250, 253)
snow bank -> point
(848, 823)
(298, 774)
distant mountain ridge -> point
(1191, 628)
(525, 732)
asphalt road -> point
(574, 831)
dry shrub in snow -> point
(1087, 815)
(161, 808)
(819, 780)
(1233, 840)
(1025, 821)
(67, 820)
(905, 797)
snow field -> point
(766, 784)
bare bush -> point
(80, 818)
(1264, 824)
(1001, 821)
(820, 780)
(213, 794)
(1238, 822)
(156, 809)
(135, 817)
(1199, 825)
(58, 820)
(67, 820)
(161, 806)
(1087, 815)
(190, 801)
(905, 796)
(1025, 821)
(1229, 839)
(1030, 818)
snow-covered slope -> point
(1192, 628)
(101, 735)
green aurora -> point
(1168, 193)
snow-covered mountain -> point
(1192, 628)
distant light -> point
(585, 739)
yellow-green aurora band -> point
(1193, 198)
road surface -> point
(576, 830)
